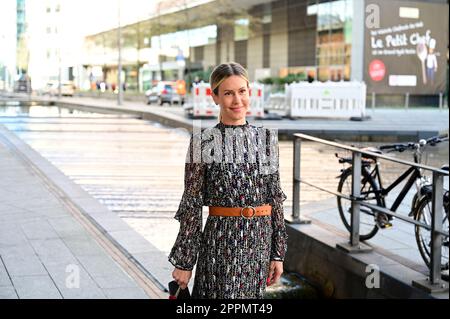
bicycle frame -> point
(383, 192)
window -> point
(267, 13)
(241, 29)
(334, 28)
(312, 8)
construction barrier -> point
(328, 99)
(203, 104)
(256, 93)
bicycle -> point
(373, 191)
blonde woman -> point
(233, 169)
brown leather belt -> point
(246, 212)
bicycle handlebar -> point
(436, 139)
(397, 147)
(400, 147)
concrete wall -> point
(312, 252)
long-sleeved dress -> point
(233, 252)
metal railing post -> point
(436, 224)
(295, 218)
(296, 185)
(434, 283)
(356, 193)
(355, 246)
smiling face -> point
(233, 98)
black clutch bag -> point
(176, 292)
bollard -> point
(440, 100)
(407, 100)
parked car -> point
(67, 88)
(166, 92)
(23, 85)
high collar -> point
(222, 125)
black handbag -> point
(176, 292)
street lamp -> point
(119, 64)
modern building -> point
(22, 56)
(21, 18)
(7, 44)
(391, 45)
(54, 42)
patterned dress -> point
(233, 252)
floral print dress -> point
(233, 252)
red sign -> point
(377, 70)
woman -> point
(242, 247)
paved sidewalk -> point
(45, 251)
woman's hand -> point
(275, 271)
(182, 277)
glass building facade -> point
(334, 38)
(311, 39)
(20, 20)
(21, 29)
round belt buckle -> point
(249, 217)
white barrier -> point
(256, 100)
(203, 104)
(329, 99)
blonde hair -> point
(223, 72)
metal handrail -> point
(437, 199)
(374, 207)
(371, 154)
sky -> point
(99, 15)
(94, 15)
(79, 18)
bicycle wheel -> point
(423, 214)
(368, 227)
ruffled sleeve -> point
(277, 197)
(184, 252)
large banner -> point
(406, 47)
